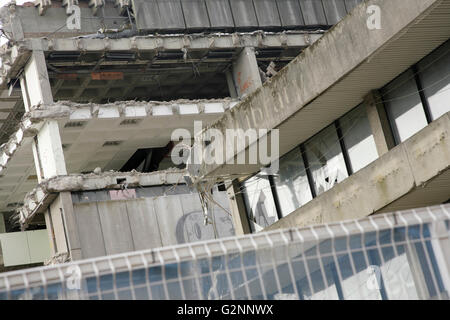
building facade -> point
(93, 90)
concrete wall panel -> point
(290, 13)
(143, 223)
(171, 14)
(220, 15)
(191, 225)
(267, 13)
(223, 219)
(313, 12)
(147, 14)
(244, 14)
(168, 212)
(195, 14)
(15, 248)
(21, 248)
(115, 227)
(38, 245)
(90, 230)
(334, 10)
(350, 4)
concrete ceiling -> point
(164, 76)
(104, 136)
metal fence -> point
(402, 255)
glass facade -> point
(412, 100)
(292, 182)
(259, 203)
(358, 138)
(325, 160)
(434, 72)
(404, 107)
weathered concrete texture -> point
(128, 109)
(165, 16)
(334, 74)
(38, 199)
(420, 164)
(26, 21)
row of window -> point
(412, 101)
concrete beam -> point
(379, 122)
(245, 73)
(331, 76)
(237, 207)
(413, 168)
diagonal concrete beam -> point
(334, 74)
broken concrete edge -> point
(129, 109)
(395, 174)
(33, 120)
(25, 133)
(14, 55)
(37, 200)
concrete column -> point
(243, 78)
(47, 146)
(70, 226)
(38, 89)
(237, 207)
(379, 122)
(2, 223)
(245, 73)
(231, 85)
(48, 151)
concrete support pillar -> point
(379, 122)
(47, 146)
(237, 207)
(37, 84)
(63, 232)
(231, 85)
(48, 152)
(243, 78)
(245, 73)
(2, 223)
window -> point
(358, 138)
(326, 160)
(259, 203)
(434, 73)
(404, 107)
(292, 183)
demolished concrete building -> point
(89, 110)
(91, 93)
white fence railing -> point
(402, 255)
